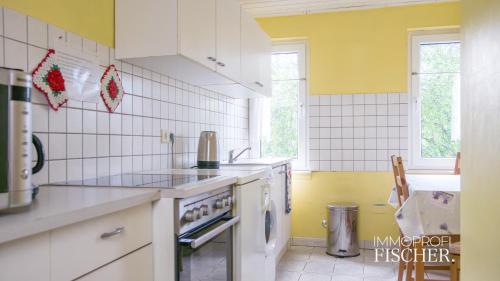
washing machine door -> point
(270, 234)
(270, 228)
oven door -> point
(207, 252)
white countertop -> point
(274, 162)
(59, 206)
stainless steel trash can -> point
(342, 230)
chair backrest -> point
(457, 164)
(400, 179)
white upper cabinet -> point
(256, 51)
(202, 42)
(229, 38)
(197, 31)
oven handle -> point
(195, 243)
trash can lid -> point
(343, 206)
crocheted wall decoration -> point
(48, 79)
(111, 88)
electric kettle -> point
(16, 189)
(208, 150)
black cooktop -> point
(139, 180)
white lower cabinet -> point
(83, 247)
(102, 248)
(26, 259)
(136, 266)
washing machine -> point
(250, 249)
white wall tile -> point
(57, 171)
(89, 168)
(15, 54)
(89, 146)
(89, 121)
(324, 100)
(75, 169)
(57, 120)
(41, 123)
(346, 99)
(381, 98)
(37, 33)
(15, 25)
(336, 99)
(74, 145)
(102, 145)
(313, 100)
(56, 34)
(74, 41)
(103, 122)
(57, 146)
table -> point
(433, 206)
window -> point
(434, 101)
(283, 120)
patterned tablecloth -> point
(433, 206)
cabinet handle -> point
(117, 231)
(221, 64)
(211, 58)
(259, 84)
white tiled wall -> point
(83, 140)
(357, 132)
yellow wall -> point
(311, 194)
(480, 215)
(360, 51)
(93, 19)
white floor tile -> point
(379, 270)
(350, 269)
(294, 256)
(287, 276)
(315, 277)
(319, 267)
(347, 278)
(296, 266)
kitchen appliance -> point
(141, 180)
(204, 236)
(16, 189)
(251, 232)
(208, 150)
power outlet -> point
(164, 136)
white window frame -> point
(416, 162)
(302, 161)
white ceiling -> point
(265, 8)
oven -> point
(204, 246)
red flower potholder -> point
(48, 79)
(111, 88)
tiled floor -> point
(313, 264)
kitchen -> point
(247, 140)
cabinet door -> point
(249, 51)
(264, 74)
(197, 31)
(228, 38)
(26, 259)
(132, 267)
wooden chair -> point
(457, 164)
(403, 194)
(420, 266)
(402, 190)
(455, 261)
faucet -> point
(233, 158)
